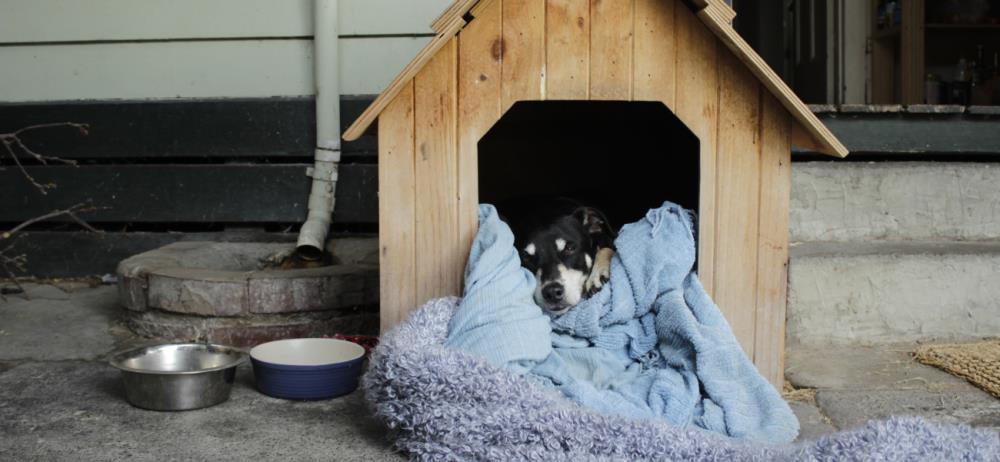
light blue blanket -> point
(650, 345)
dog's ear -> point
(595, 223)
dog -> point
(566, 245)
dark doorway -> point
(624, 157)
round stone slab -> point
(222, 279)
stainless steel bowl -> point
(178, 377)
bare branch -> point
(40, 157)
(70, 212)
(12, 139)
(41, 188)
(83, 128)
(13, 144)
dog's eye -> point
(570, 247)
(526, 258)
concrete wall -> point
(893, 252)
(898, 201)
(55, 50)
(844, 293)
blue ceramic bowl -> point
(307, 368)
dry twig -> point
(10, 263)
(15, 148)
(14, 145)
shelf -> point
(962, 26)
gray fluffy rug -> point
(442, 404)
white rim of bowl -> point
(348, 351)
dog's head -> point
(560, 253)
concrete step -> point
(889, 292)
(898, 201)
(856, 384)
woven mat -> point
(978, 362)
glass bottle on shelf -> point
(932, 90)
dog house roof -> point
(715, 14)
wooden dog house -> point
(490, 54)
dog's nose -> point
(553, 292)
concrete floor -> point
(59, 400)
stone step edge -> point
(800, 250)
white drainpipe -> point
(312, 237)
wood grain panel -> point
(397, 244)
(737, 197)
(772, 244)
(478, 109)
(655, 76)
(567, 43)
(611, 26)
(523, 51)
(439, 260)
(697, 105)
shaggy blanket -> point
(501, 403)
(650, 344)
(443, 404)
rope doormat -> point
(978, 362)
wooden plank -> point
(655, 74)
(697, 105)
(439, 259)
(737, 195)
(804, 140)
(197, 193)
(456, 10)
(883, 69)
(728, 36)
(183, 129)
(522, 52)
(723, 10)
(397, 209)
(611, 26)
(772, 244)
(479, 108)
(193, 69)
(911, 53)
(567, 43)
(368, 117)
(96, 20)
(480, 6)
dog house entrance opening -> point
(621, 157)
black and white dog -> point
(566, 245)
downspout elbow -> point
(322, 196)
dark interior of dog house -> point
(623, 157)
